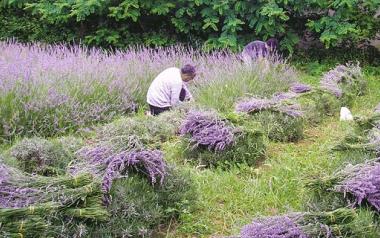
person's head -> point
(188, 72)
(272, 44)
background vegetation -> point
(211, 23)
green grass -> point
(230, 199)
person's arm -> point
(188, 96)
(174, 93)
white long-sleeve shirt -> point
(165, 88)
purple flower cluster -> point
(363, 183)
(332, 78)
(150, 161)
(206, 129)
(342, 74)
(300, 88)
(254, 104)
(273, 227)
(276, 103)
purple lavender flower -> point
(300, 88)
(283, 96)
(363, 183)
(253, 104)
(207, 130)
(270, 227)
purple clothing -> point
(254, 50)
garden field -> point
(260, 152)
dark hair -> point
(188, 69)
(272, 43)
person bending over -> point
(169, 88)
(259, 49)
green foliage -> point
(217, 24)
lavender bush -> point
(48, 90)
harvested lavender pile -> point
(207, 130)
(337, 223)
(213, 140)
(344, 81)
(44, 157)
(41, 205)
(358, 184)
(277, 103)
(108, 166)
(281, 117)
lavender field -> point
(259, 153)
(51, 90)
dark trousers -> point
(157, 110)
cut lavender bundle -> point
(278, 226)
(206, 129)
(335, 223)
(300, 88)
(253, 104)
(149, 161)
(276, 103)
(361, 181)
(344, 80)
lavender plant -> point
(206, 129)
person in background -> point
(169, 88)
(259, 49)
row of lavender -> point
(49, 90)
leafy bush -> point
(223, 24)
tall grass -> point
(47, 90)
